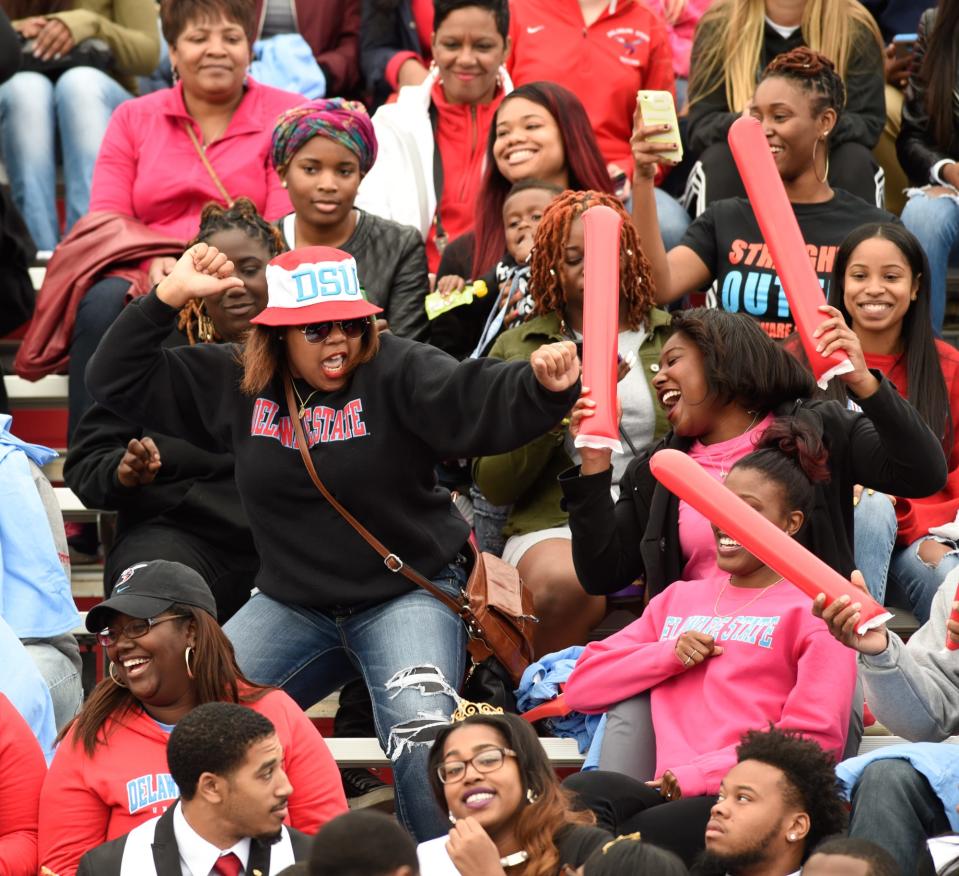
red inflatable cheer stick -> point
(601, 227)
(767, 197)
(953, 616)
(682, 475)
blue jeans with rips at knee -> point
(892, 571)
(410, 651)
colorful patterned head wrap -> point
(343, 121)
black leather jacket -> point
(918, 154)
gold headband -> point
(634, 837)
(466, 709)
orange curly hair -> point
(636, 287)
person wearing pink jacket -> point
(167, 154)
(735, 651)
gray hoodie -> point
(914, 688)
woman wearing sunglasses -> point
(378, 413)
(167, 655)
(510, 815)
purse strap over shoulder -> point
(390, 560)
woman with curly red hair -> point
(539, 538)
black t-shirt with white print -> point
(727, 238)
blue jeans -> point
(33, 109)
(935, 221)
(894, 807)
(411, 652)
(891, 569)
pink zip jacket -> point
(149, 170)
(780, 665)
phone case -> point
(657, 108)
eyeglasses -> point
(320, 331)
(489, 760)
(135, 629)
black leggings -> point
(228, 573)
(851, 167)
(624, 805)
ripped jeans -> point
(410, 651)
(891, 570)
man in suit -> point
(228, 764)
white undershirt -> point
(783, 30)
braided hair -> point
(635, 275)
(814, 73)
(243, 215)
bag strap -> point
(206, 163)
(390, 560)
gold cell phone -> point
(657, 108)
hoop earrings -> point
(825, 175)
(189, 652)
(113, 676)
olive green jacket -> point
(128, 27)
(527, 477)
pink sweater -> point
(780, 665)
(148, 168)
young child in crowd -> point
(470, 329)
(732, 652)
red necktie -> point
(227, 865)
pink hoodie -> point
(779, 666)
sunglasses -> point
(320, 331)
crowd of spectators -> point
(337, 247)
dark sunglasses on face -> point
(135, 629)
(320, 331)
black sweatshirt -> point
(887, 447)
(194, 490)
(860, 121)
(375, 444)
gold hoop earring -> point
(205, 329)
(825, 176)
(190, 651)
(113, 677)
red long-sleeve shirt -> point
(90, 800)
(916, 516)
(625, 50)
(22, 769)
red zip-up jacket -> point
(461, 132)
(624, 51)
(87, 801)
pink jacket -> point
(148, 168)
(780, 665)
(682, 31)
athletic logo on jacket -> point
(630, 39)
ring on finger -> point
(688, 660)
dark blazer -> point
(106, 859)
(917, 152)
(887, 447)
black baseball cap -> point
(148, 589)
